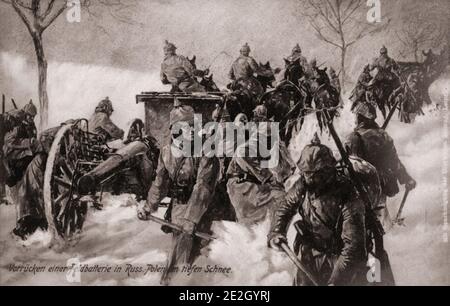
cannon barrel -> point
(87, 183)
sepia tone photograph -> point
(224, 143)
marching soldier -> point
(101, 123)
(373, 144)
(255, 190)
(190, 182)
(31, 208)
(331, 235)
(178, 71)
(19, 142)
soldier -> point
(409, 97)
(373, 144)
(244, 66)
(331, 235)
(178, 71)
(387, 67)
(101, 123)
(359, 92)
(297, 55)
(243, 71)
(30, 208)
(19, 142)
(255, 190)
(334, 80)
(190, 183)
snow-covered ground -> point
(115, 237)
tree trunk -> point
(343, 72)
(42, 87)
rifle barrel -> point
(179, 228)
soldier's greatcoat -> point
(190, 182)
(19, 135)
(178, 71)
(101, 122)
(331, 242)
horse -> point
(266, 75)
(206, 79)
(324, 96)
(286, 102)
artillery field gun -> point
(81, 166)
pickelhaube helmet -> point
(260, 112)
(245, 48)
(316, 156)
(30, 109)
(241, 119)
(313, 62)
(367, 110)
(297, 49)
(182, 113)
(104, 106)
(168, 46)
(383, 50)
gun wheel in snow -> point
(64, 211)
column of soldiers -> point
(336, 229)
(332, 239)
(24, 156)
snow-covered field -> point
(114, 237)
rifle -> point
(372, 221)
(179, 228)
(398, 220)
(14, 103)
(297, 263)
(3, 103)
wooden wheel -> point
(65, 212)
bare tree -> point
(340, 23)
(423, 29)
(38, 15)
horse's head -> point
(319, 78)
(207, 81)
(293, 70)
(266, 75)
(192, 61)
(434, 63)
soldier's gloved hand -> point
(188, 227)
(143, 213)
(411, 184)
(276, 239)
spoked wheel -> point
(64, 211)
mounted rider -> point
(386, 66)
(243, 71)
(359, 92)
(297, 55)
(178, 71)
